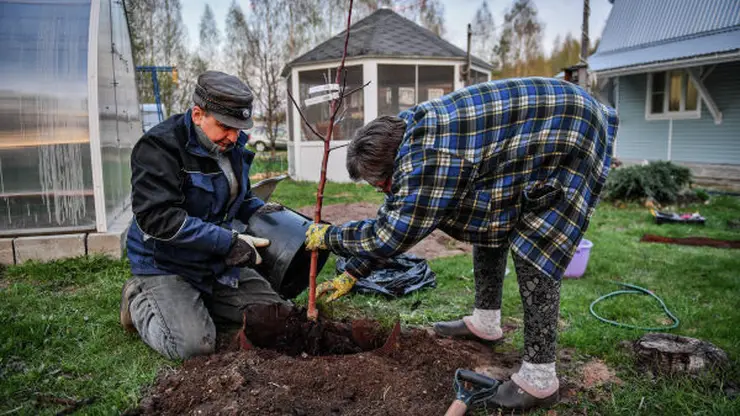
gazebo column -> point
(459, 83)
(370, 93)
(297, 123)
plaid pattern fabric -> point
(517, 160)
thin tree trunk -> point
(313, 313)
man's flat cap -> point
(226, 97)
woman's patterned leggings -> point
(540, 297)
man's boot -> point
(128, 290)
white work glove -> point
(243, 252)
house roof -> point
(385, 33)
(640, 32)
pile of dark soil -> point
(414, 379)
(287, 330)
(296, 367)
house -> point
(672, 69)
(404, 64)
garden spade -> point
(470, 388)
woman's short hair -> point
(372, 151)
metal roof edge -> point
(668, 41)
(696, 60)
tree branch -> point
(341, 116)
(361, 87)
(338, 147)
(303, 116)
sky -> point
(558, 16)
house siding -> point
(693, 141)
(702, 141)
(638, 139)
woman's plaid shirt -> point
(517, 162)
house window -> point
(671, 95)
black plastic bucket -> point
(285, 262)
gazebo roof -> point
(385, 34)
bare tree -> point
(140, 14)
(267, 39)
(158, 37)
(208, 56)
(519, 50)
(484, 31)
(172, 37)
(237, 38)
(261, 43)
(432, 16)
(305, 26)
(502, 51)
(426, 13)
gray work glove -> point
(243, 252)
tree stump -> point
(674, 354)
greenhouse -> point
(70, 117)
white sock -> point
(487, 321)
(539, 380)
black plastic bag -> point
(398, 276)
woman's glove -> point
(340, 285)
(315, 237)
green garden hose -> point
(639, 290)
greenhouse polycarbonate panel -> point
(127, 100)
(45, 170)
(120, 122)
(112, 181)
(26, 175)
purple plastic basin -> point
(577, 265)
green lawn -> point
(60, 339)
(265, 162)
(300, 194)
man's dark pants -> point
(179, 321)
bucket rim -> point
(585, 243)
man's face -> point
(223, 136)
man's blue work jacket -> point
(180, 200)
